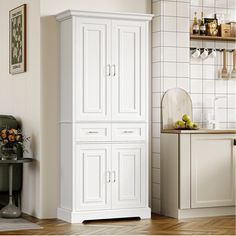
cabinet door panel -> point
(213, 170)
(128, 165)
(128, 57)
(93, 189)
(92, 86)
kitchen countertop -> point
(200, 131)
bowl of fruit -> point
(185, 123)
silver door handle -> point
(113, 176)
(108, 177)
(109, 70)
(113, 68)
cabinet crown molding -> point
(111, 15)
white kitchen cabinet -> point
(198, 173)
(212, 171)
(104, 120)
(110, 176)
(112, 70)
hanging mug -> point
(213, 52)
(196, 53)
(204, 53)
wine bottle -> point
(195, 25)
(202, 26)
(216, 26)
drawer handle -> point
(128, 132)
(93, 132)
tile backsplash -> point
(225, 9)
(174, 66)
(206, 84)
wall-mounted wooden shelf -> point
(198, 37)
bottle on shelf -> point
(216, 25)
(195, 25)
(202, 26)
(215, 18)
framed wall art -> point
(17, 37)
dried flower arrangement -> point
(10, 140)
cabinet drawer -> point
(127, 132)
(93, 132)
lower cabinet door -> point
(92, 177)
(212, 170)
(128, 175)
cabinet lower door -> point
(128, 175)
(212, 170)
(92, 184)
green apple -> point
(182, 125)
(189, 124)
(186, 118)
(179, 124)
(195, 126)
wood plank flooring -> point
(158, 225)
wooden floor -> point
(158, 225)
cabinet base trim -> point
(79, 217)
(206, 212)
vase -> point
(8, 152)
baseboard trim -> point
(79, 217)
(206, 212)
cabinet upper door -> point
(128, 175)
(92, 57)
(212, 170)
(129, 62)
(92, 171)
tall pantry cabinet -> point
(104, 115)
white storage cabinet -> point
(198, 173)
(104, 115)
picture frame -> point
(17, 40)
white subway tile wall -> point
(208, 71)
(173, 66)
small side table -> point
(11, 210)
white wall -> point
(49, 83)
(20, 95)
(53, 7)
